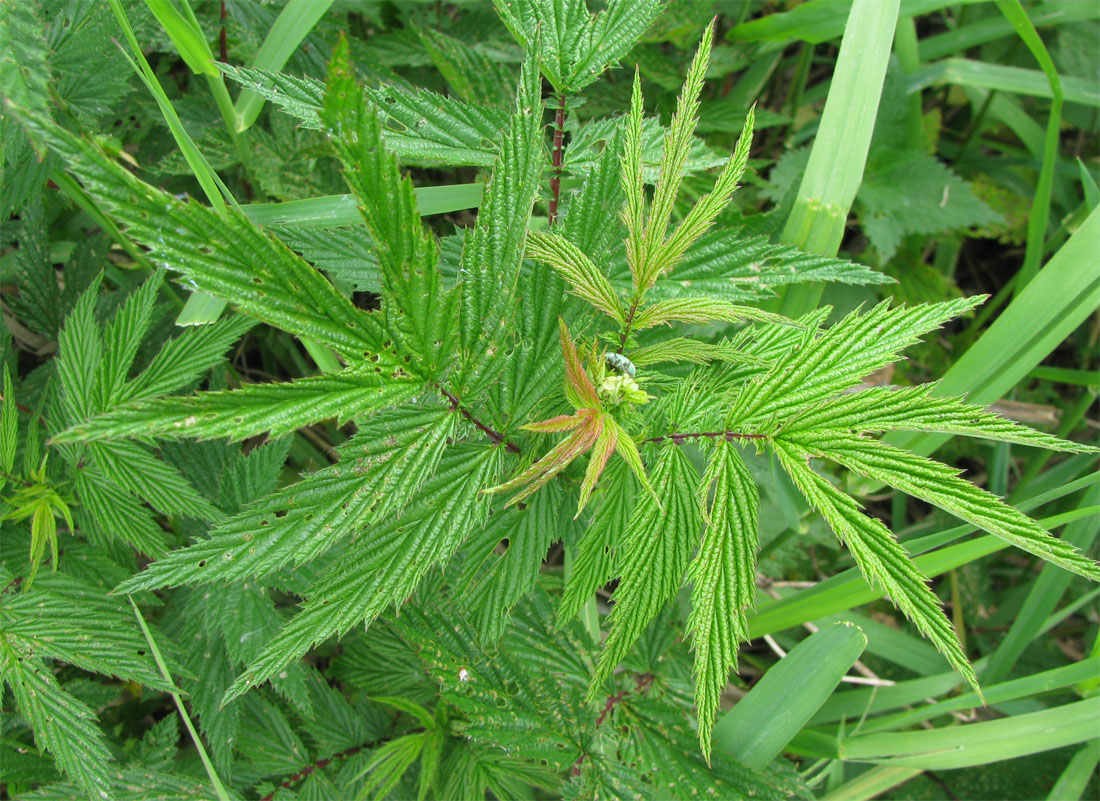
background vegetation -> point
(921, 152)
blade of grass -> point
(835, 168)
(288, 31)
(821, 21)
(872, 783)
(781, 703)
(951, 747)
(1015, 80)
(989, 29)
(849, 589)
(186, 34)
(1075, 778)
(1040, 205)
(1035, 684)
(1046, 591)
(207, 764)
(199, 308)
(1061, 297)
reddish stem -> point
(320, 764)
(555, 179)
(495, 436)
(645, 681)
(729, 436)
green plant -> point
(447, 494)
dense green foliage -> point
(359, 520)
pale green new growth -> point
(586, 281)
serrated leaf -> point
(121, 339)
(879, 409)
(666, 254)
(591, 138)
(594, 565)
(415, 306)
(186, 357)
(9, 428)
(729, 265)
(724, 579)
(591, 218)
(107, 509)
(570, 262)
(836, 359)
(701, 310)
(936, 199)
(155, 481)
(658, 545)
(492, 584)
(80, 350)
(681, 349)
(385, 569)
(493, 252)
(677, 146)
(941, 486)
(276, 408)
(881, 559)
(38, 302)
(63, 618)
(382, 468)
(662, 739)
(575, 46)
(472, 75)
(417, 124)
(62, 724)
(221, 254)
(543, 718)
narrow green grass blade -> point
(1046, 591)
(219, 788)
(872, 783)
(200, 168)
(1062, 296)
(333, 211)
(849, 589)
(1002, 693)
(292, 25)
(200, 308)
(189, 42)
(820, 21)
(776, 709)
(1075, 778)
(186, 34)
(835, 168)
(1015, 80)
(952, 747)
(1040, 205)
(989, 29)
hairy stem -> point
(645, 681)
(555, 180)
(492, 434)
(318, 765)
(729, 436)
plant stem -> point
(492, 434)
(555, 180)
(730, 436)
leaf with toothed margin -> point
(386, 564)
(381, 470)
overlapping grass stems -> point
(468, 663)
